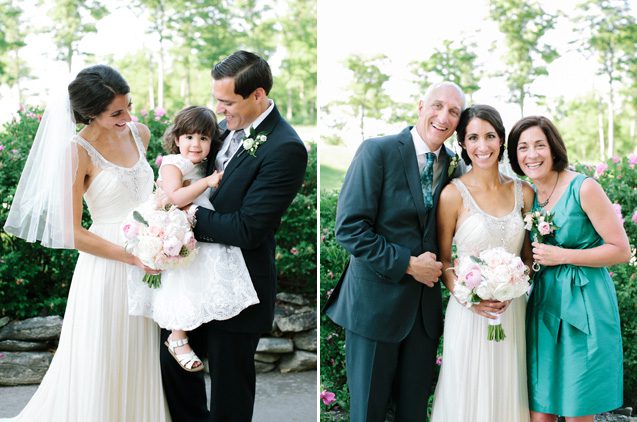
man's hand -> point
(425, 269)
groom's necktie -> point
(235, 142)
(427, 178)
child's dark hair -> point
(193, 119)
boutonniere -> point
(254, 141)
(453, 165)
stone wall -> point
(27, 347)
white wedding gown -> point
(106, 367)
(482, 380)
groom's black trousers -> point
(231, 364)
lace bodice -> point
(116, 190)
(480, 231)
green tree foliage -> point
(295, 87)
(523, 25)
(455, 61)
(72, 20)
(367, 95)
(609, 33)
(12, 34)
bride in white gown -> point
(482, 380)
(106, 367)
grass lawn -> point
(331, 178)
(334, 161)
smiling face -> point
(482, 143)
(239, 112)
(438, 115)
(194, 146)
(116, 115)
(534, 153)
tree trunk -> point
(600, 131)
(160, 75)
(362, 123)
(288, 111)
(611, 123)
(18, 76)
(151, 89)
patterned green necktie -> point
(427, 178)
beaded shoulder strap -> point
(519, 195)
(96, 157)
(467, 199)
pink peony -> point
(328, 397)
(172, 246)
(189, 241)
(472, 278)
(544, 228)
(601, 168)
(159, 112)
(158, 160)
(131, 230)
(155, 231)
(634, 217)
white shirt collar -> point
(421, 147)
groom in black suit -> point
(256, 189)
(388, 299)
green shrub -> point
(332, 337)
(296, 238)
(35, 280)
(618, 177)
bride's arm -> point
(446, 218)
(86, 241)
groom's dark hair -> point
(248, 70)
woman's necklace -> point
(543, 204)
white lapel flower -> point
(253, 141)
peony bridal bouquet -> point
(160, 236)
(493, 275)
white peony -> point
(462, 293)
(147, 248)
(504, 292)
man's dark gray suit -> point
(393, 322)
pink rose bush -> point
(493, 275)
(160, 236)
(328, 397)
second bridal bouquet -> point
(493, 275)
(160, 236)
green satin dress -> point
(574, 344)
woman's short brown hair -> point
(556, 144)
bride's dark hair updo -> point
(483, 112)
(93, 90)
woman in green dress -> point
(574, 345)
